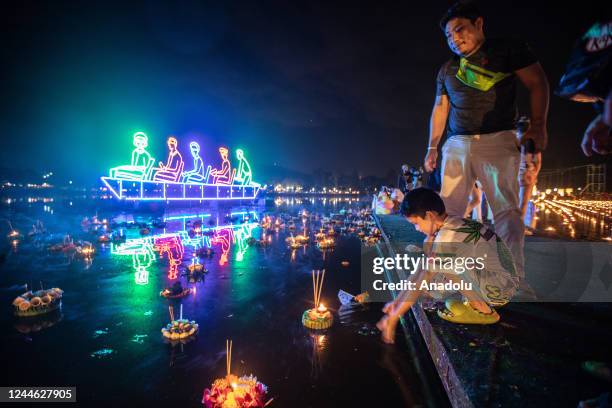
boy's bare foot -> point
(387, 327)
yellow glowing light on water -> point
(550, 229)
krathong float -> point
(38, 303)
(233, 391)
(176, 292)
(326, 243)
(317, 318)
(141, 181)
(293, 243)
(179, 329)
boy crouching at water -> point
(461, 252)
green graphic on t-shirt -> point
(505, 257)
(472, 229)
(477, 77)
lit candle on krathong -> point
(243, 391)
(317, 318)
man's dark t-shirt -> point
(474, 109)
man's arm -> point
(437, 123)
(534, 79)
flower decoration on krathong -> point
(233, 391)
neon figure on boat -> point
(223, 175)
(197, 174)
(244, 174)
(141, 163)
(172, 170)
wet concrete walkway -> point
(534, 357)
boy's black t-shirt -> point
(473, 108)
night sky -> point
(302, 85)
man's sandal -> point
(462, 312)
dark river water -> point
(106, 339)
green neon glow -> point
(141, 164)
(241, 237)
(244, 175)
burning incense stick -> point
(317, 285)
(228, 356)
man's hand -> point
(597, 138)
(539, 135)
(430, 160)
(534, 79)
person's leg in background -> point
(456, 174)
(496, 161)
(474, 206)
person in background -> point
(531, 163)
(588, 78)
(474, 204)
(403, 180)
(416, 177)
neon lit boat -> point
(142, 190)
(141, 180)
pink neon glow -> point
(224, 237)
(172, 170)
(223, 175)
(173, 248)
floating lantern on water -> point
(13, 235)
(233, 391)
(86, 250)
(179, 329)
(345, 264)
(319, 236)
(104, 238)
(38, 303)
(326, 243)
(317, 318)
(302, 238)
(293, 243)
(196, 267)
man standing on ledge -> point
(476, 95)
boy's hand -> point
(389, 307)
